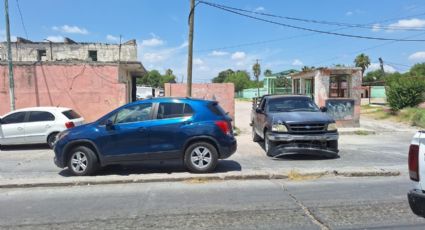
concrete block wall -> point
(224, 93)
(92, 90)
(62, 51)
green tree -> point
(222, 76)
(240, 79)
(404, 90)
(307, 68)
(362, 61)
(374, 76)
(418, 70)
(256, 69)
(267, 72)
(154, 79)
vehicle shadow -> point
(24, 147)
(298, 156)
(156, 167)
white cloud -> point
(55, 38)
(260, 8)
(70, 29)
(297, 62)
(112, 38)
(198, 61)
(154, 41)
(376, 66)
(408, 23)
(154, 57)
(376, 27)
(216, 53)
(238, 55)
(349, 13)
(418, 56)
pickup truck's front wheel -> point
(269, 145)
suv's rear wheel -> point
(201, 157)
(82, 161)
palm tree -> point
(362, 61)
(256, 68)
(267, 72)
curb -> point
(196, 178)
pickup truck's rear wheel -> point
(269, 145)
(255, 136)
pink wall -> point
(224, 93)
(92, 90)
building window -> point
(41, 55)
(297, 86)
(93, 55)
(339, 87)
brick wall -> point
(224, 93)
(92, 90)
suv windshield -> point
(292, 105)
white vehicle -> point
(416, 196)
(36, 125)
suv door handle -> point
(48, 126)
(142, 129)
(20, 128)
(187, 122)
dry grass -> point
(294, 175)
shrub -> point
(404, 91)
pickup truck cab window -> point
(292, 105)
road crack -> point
(305, 209)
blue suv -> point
(198, 132)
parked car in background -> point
(198, 132)
(36, 125)
(416, 196)
(293, 124)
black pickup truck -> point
(293, 124)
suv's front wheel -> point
(82, 161)
(201, 157)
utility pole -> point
(190, 49)
(9, 58)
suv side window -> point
(135, 113)
(263, 104)
(14, 118)
(172, 110)
(40, 116)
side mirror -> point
(109, 125)
(258, 110)
(323, 109)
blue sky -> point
(160, 28)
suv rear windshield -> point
(216, 109)
(71, 114)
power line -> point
(315, 30)
(364, 26)
(22, 19)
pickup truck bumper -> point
(417, 202)
(313, 144)
(311, 137)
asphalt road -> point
(327, 203)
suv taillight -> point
(224, 126)
(69, 125)
(414, 162)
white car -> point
(36, 125)
(416, 196)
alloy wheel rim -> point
(79, 162)
(201, 157)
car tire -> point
(201, 157)
(82, 161)
(255, 136)
(269, 146)
(51, 139)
